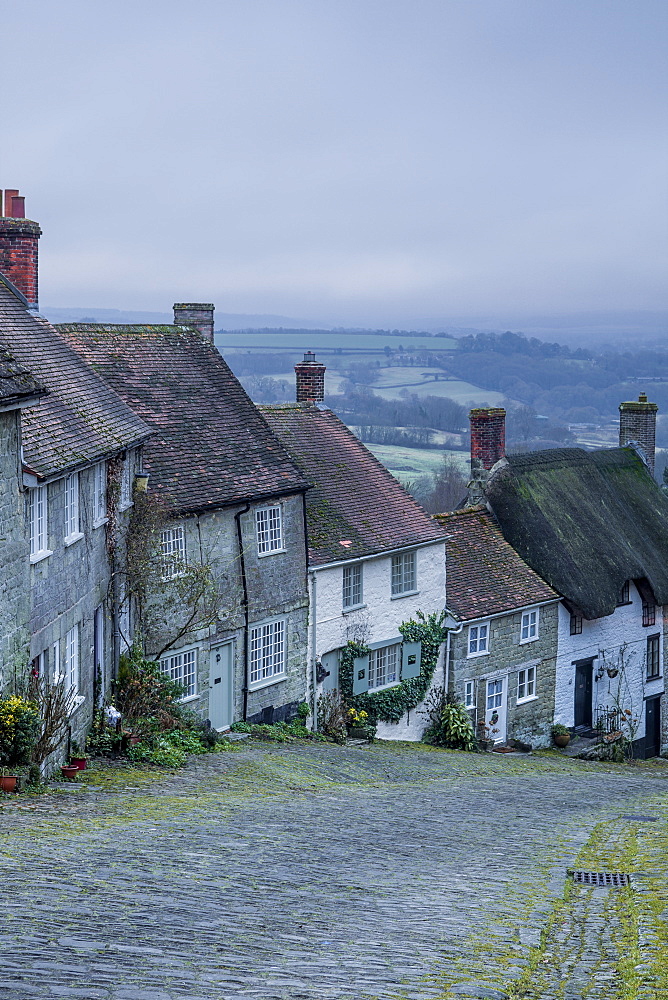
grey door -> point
(653, 727)
(582, 715)
(221, 673)
(330, 665)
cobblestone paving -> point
(310, 872)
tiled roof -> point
(484, 574)
(16, 384)
(210, 447)
(585, 521)
(80, 419)
(356, 507)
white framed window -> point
(404, 575)
(526, 684)
(267, 652)
(529, 627)
(72, 529)
(39, 523)
(57, 674)
(494, 694)
(478, 639)
(99, 494)
(469, 694)
(269, 530)
(71, 664)
(172, 552)
(352, 586)
(182, 668)
(125, 495)
(384, 666)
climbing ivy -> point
(390, 704)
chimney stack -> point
(197, 314)
(488, 437)
(310, 379)
(637, 423)
(18, 246)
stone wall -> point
(14, 553)
(531, 720)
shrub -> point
(143, 690)
(450, 725)
(332, 716)
(19, 730)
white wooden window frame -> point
(57, 674)
(478, 639)
(353, 587)
(469, 694)
(72, 526)
(269, 530)
(529, 625)
(71, 662)
(526, 685)
(125, 495)
(384, 666)
(267, 643)
(494, 693)
(181, 666)
(38, 514)
(100, 495)
(173, 552)
(404, 574)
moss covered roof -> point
(585, 522)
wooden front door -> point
(495, 709)
(221, 670)
(653, 727)
(582, 715)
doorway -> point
(582, 713)
(221, 686)
(653, 726)
(495, 709)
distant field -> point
(328, 342)
(409, 463)
(462, 392)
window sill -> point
(525, 642)
(651, 680)
(38, 556)
(188, 698)
(525, 701)
(384, 687)
(267, 682)
(71, 539)
(77, 703)
(125, 506)
(472, 656)
(354, 607)
(101, 522)
(406, 593)
(273, 552)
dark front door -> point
(653, 727)
(583, 691)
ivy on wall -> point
(391, 703)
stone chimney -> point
(310, 379)
(197, 314)
(637, 424)
(18, 246)
(488, 437)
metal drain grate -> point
(603, 879)
(642, 819)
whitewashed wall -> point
(380, 617)
(609, 633)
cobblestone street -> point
(313, 872)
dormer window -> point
(623, 595)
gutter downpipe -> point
(451, 631)
(314, 658)
(244, 601)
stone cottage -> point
(226, 603)
(375, 557)
(81, 447)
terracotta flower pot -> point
(561, 739)
(134, 739)
(8, 782)
(69, 771)
(79, 762)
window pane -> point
(267, 651)
(173, 551)
(269, 529)
(403, 573)
(352, 585)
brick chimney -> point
(637, 423)
(488, 437)
(197, 314)
(18, 246)
(310, 379)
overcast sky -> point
(353, 161)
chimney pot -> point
(9, 194)
(18, 207)
(488, 436)
(197, 314)
(18, 247)
(310, 379)
(637, 422)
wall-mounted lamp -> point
(141, 481)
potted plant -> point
(357, 722)
(560, 735)
(69, 771)
(484, 739)
(77, 757)
(8, 781)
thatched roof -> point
(585, 522)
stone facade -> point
(14, 552)
(530, 718)
(377, 621)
